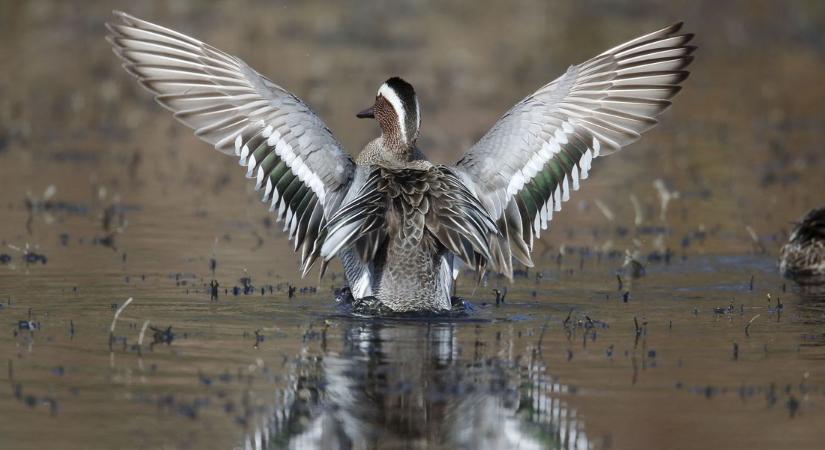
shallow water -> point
(104, 198)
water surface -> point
(104, 198)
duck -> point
(803, 256)
(402, 226)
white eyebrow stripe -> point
(417, 115)
(389, 93)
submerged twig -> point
(637, 209)
(543, 329)
(606, 212)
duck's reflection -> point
(399, 385)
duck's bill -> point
(368, 113)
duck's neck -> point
(396, 147)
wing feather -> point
(285, 146)
(524, 167)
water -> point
(104, 198)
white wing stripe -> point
(250, 166)
(587, 158)
(557, 199)
(565, 189)
(575, 173)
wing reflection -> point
(396, 385)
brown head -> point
(397, 112)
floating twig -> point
(567, 320)
(114, 320)
(748, 326)
(140, 336)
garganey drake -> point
(803, 257)
(400, 224)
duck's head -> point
(397, 112)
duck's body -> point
(399, 223)
(398, 259)
(408, 271)
(804, 254)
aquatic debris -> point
(204, 379)
(161, 336)
(657, 256)
(500, 296)
(544, 328)
(213, 290)
(778, 309)
(793, 405)
(606, 212)
(665, 197)
(141, 334)
(114, 321)
(747, 327)
(5, 258)
(735, 351)
(636, 326)
(720, 310)
(757, 243)
(106, 241)
(246, 282)
(632, 266)
(259, 338)
(637, 209)
(32, 257)
(567, 319)
(28, 325)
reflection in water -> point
(813, 291)
(400, 384)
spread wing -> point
(524, 167)
(302, 169)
